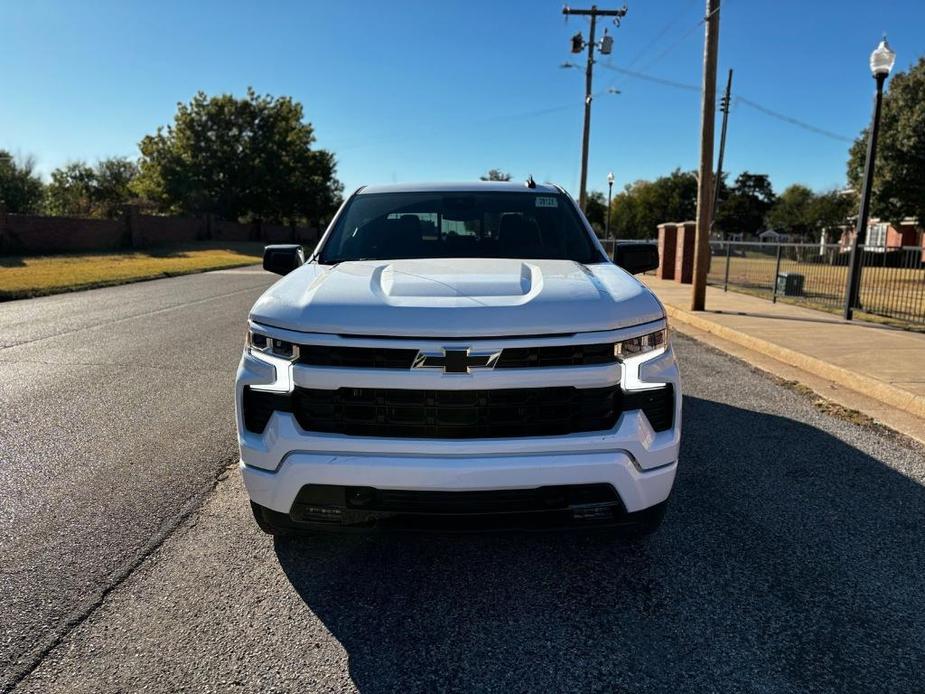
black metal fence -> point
(892, 279)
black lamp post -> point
(881, 62)
(607, 216)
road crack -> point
(20, 671)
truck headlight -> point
(258, 342)
(636, 346)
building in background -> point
(883, 237)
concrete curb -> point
(871, 387)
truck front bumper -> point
(638, 462)
(637, 489)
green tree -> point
(239, 158)
(100, 191)
(899, 177)
(830, 210)
(640, 207)
(496, 175)
(791, 211)
(745, 204)
(21, 189)
(114, 177)
(596, 211)
(71, 191)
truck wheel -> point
(266, 522)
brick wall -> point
(42, 234)
(232, 231)
(23, 233)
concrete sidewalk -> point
(877, 362)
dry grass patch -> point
(893, 296)
(28, 276)
(827, 406)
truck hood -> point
(466, 297)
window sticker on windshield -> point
(546, 202)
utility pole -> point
(704, 186)
(577, 42)
(724, 107)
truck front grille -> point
(455, 414)
(511, 357)
(451, 414)
(321, 502)
(657, 404)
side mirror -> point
(636, 256)
(283, 258)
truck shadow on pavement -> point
(789, 561)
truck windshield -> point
(386, 226)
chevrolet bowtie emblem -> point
(456, 361)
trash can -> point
(789, 284)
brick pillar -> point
(667, 248)
(684, 257)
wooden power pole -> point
(718, 181)
(705, 183)
(593, 13)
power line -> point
(671, 47)
(655, 39)
(790, 119)
(736, 101)
(653, 78)
(677, 43)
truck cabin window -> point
(388, 226)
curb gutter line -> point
(871, 387)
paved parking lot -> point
(790, 560)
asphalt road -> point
(115, 416)
(791, 558)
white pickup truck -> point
(458, 355)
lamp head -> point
(882, 59)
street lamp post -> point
(607, 217)
(881, 62)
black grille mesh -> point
(357, 357)
(458, 414)
(565, 355)
(314, 497)
(451, 414)
(657, 404)
(259, 405)
(511, 357)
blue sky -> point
(446, 90)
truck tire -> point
(267, 521)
